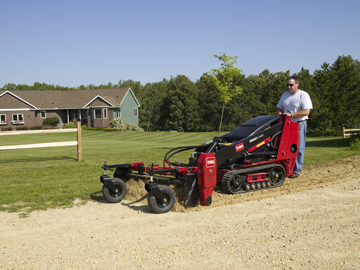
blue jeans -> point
(300, 158)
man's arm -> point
(301, 113)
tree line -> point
(184, 105)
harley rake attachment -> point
(258, 154)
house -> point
(93, 107)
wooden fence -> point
(52, 144)
(352, 132)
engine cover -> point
(206, 177)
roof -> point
(66, 99)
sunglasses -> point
(290, 84)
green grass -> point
(322, 149)
(42, 178)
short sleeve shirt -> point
(294, 103)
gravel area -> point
(309, 222)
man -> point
(296, 104)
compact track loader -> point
(258, 154)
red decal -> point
(239, 147)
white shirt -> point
(294, 103)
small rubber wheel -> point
(115, 197)
(162, 207)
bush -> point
(132, 127)
(7, 129)
(22, 128)
(355, 143)
(93, 128)
(117, 124)
(36, 127)
(53, 121)
(69, 126)
(111, 129)
(323, 132)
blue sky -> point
(73, 43)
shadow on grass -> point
(340, 142)
(97, 196)
(35, 159)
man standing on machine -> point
(297, 104)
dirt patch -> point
(309, 222)
(136, 192)
(313, 176)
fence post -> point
(79, 150)
(343, 132)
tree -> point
(223, 78)
(336, 99)
(209, 107)
(253, 99)
(180, 108)
(276, 87)
(150, 110)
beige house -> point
(93, 107)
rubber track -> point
(227, 177)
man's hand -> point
(279, 111)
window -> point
(118, 113)
(42, 114)
(18, 117)
(80, 114)
(3, 119)
(105, 113)
(97, 113)
(83, 114)
(135, 112)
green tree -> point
(252, 101)
(276, 87)
(209, 106)
(336, 96)
(223, 78)
(135, 86)
(150, 110)
(180, 108)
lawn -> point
(42, 178)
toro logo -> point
(239, 147)
(210, 162)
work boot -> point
(294, 175)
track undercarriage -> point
(253, 178)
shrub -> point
(132, 127)
(53, 121)
(69, 126)
(111, 129)
(22, 128)
(7, 129)
(117, 124)
(94, 128)
(36, 127)
(355, 143)
(323, 132)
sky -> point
(81, 42)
